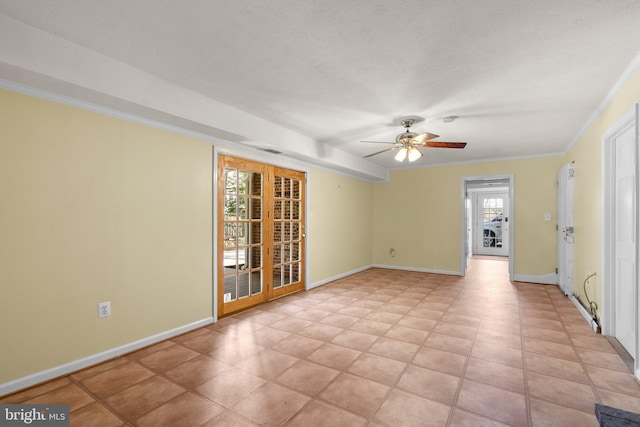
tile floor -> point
(379, 348)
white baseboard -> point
(418, 269)
(545, 279)
(333, 278)
(76, 365)
(587, 316)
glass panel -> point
(243, 234)
(295, 231)
(230, 181)
(277, 231)
(286, 231)
(243, 182)
(229, 207)
(277, 186)
(256, 233)
(243, 256)
(277, 209)
(230, 234)
(296, 189)
(243, 285)
(286, 257)
(277, 254)
(230, 260)
(286, 188)
(287, 209)
(243, 204)
(277, 277)
(256, 257)
(256, 208)
(295, 272)
(256, 184)
(286, 275)
(295, 210)
(295, 252)
(256, 282)
(230, 293)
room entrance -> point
(261, 233)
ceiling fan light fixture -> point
(401, 154)
(414, 154)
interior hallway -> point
(379, 348)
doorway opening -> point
(487, 219)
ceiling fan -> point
(408, 143)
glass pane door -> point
(242, 194)
(288, 231)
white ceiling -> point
(312, 78)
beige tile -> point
(321, 414)
(307, 377)
(430, 384)
(355, 340)
(419, 323)
(270, 405)
(376, 368)
(114, 380)
(495, 374)
(339, 320)
(394, 349)
(370, 327)
(334, 356)
(228, 419)
(602, 359)
(620, 382)
(559, 368)
(462, 418)
(404, 409)
(548, 414)
(455, 330)
(438, 360)
(143, 397)
(597, 343)
(498, 354)
(552, 349)
(291, 324)
(562, 392)
(94, 415)
(410, 335)
(619, 400)
(267, 364)
(197, 371)
(70, 394)
(357, 395)
(492, 402)
(298, 346)
(32, 392)
(449, 343)
(168, 358)
(320, 332)
(228, 388)
(187, 409)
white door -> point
(565, 229)
(624, 238)
(492, 224)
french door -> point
(492, 224)
(260, 233)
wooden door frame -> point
(630, 118)
(262, 157)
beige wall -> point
(587, 154)
(96, 209)
(418, 214)
(339, 226)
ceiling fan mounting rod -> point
(407, 123)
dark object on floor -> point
(612, 417)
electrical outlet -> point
(392, 252)
(104, 309)
(227, 297)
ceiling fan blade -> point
(420, 139)
(379, 142)
(380, 152)
(441, 144)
